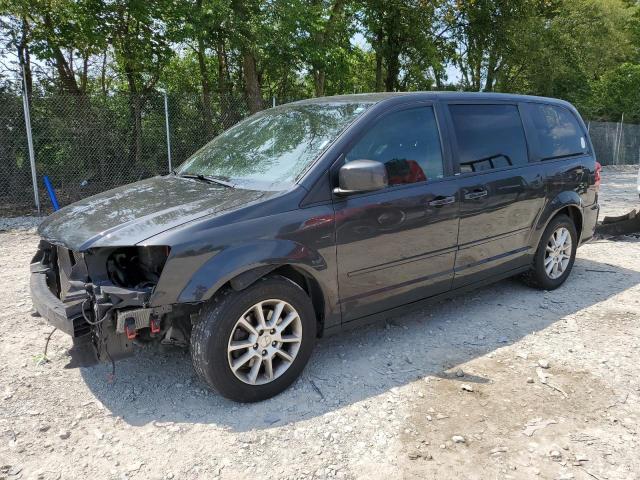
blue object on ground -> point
(52, 193)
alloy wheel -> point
(557, 253)
(264, 342)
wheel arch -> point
(295, 273)
(241, 266)
(567, 203)
(575, 214)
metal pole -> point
(166, 117)
(274, 101)
(618, 139)
(615, 144)
(32, 156)
(621, 134)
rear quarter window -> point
(557, 131)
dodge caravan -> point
(315, 216)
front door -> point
(501, 193)
(398, 245)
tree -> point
(486, 34)
(15, 40)
(568, 45)
(324, 34)
(64, 33)
(141, 51)
(203, 25)
(616, 93)
(406, 36)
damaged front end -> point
(102, 298)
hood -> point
(132, 213)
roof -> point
(429, 95)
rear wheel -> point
(555, 256)
(252, 344)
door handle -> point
(441, 201)
(478, 193)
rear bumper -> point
(66, 317)
(589, 221)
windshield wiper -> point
(206, 178)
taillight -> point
(598, 175)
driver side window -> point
(407, 143)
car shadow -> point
(352, 367)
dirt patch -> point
(486, 418)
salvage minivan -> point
(314, 216)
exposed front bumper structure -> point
(103, 319)
(66, 317)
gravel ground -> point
(505, 382)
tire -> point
(538, 276)
(212, 345)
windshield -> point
(270, 149)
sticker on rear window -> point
(583, 144)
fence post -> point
(615, 142)
(166, 117)
(618, 140)
(32, 156)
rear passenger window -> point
(558, 132)
(407, 142)
(488, 137)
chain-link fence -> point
(15, 171)
(89, 144)
(615, 143)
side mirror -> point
(361, 176)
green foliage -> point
(408, 40)
(616, 93)
(230, 57)
(297, 48)
(574, 43)
(95, 69)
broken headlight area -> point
(136, 267)
(101, 297)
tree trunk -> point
(392, 73)
(24, 58)
(103, 75)
(85, 72)
(67, 78)
(393, 63)
(320, 40)
(227, 117)
(253, 95)
(318, 81)
(222, 70)
(491, 71)
(135, 115)
(65, 70)
(378, 51)
(437, 76)
(207, 115)
(477, 75)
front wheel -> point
(252, 344)
(555, 255)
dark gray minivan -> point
(316, 215)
